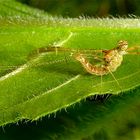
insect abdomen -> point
(96, 70)
(92, 69)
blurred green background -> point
(92, 8)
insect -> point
(111, 59)
(109, 62)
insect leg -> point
(101, 83)
(115, 79)
(101, 74)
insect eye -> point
(122, 43)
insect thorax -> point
(113, 60)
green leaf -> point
(34, 83)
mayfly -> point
(111, 59)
